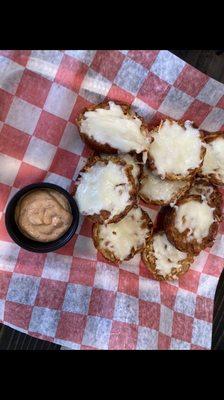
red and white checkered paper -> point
(74, 297)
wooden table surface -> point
(211, 62)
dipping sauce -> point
(43, 215)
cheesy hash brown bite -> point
(112, 128)
(106, 189)
(213, 165)
(163, 260)
(192, 224)
(159, 191)
(122, 240)
(177, 150)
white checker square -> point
(44, 321)
(212, 92)
(143, 109)
(60, 101)
(149, 290)
(214, 120)
(218, 247)
(185, 302)
(2, 309)
(125, 52)
(11, 74)
(126, 309)
(23, 115)
(207, 286)
(132, 265)
(58, 180)
(131, 76)
(9, 253)
(97, 332)
(167, 66)
(94, 87)
(45, 62)
(166, 320)
(85, 56)
(82, 161)
(57, 267)
(40, 153)
(23, 289)
(84, 248)
(175, 103)
(106, 277)
(202, 333)
(71, 140)
(147, 339)
(67, 345)
(200, 261)
(179, 345)
(9, 168)
(77, 298)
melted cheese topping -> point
(214, 158)
(113, 127)
(121, 237)
(156, 189)
(167, 256)
(176, 149)
(103, 187)
(195, 216)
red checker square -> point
(118, 94)
(190, 280)
(5, 103)
(82, 271)
(79, 107)
(149, 314)
(3, 231)
(83, 347)
(102, 303)
(182, 327)
(30, 263)
(144, 272)
(214, 265)
(155, 121)
(51, 294)
(68, 249)
(13, 142)
(33, 88)
(190, 80)
(128, 283)
(28, 174)
(102, 259)
(64, 163)
(86, 228)
(50, 128)
(41, 337)
(71, 73)
(153, 90)
(197, 112)
(194, 347)
(107, 63)
(17, 314)
(4, 194)
(222, 128)
(221, 103)
(19, 56)
(168, 294)
(123, 336)
(163, 342)
(71, 327)
(5, 277)
(144, 57)
(204, 309)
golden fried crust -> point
(146, 222)
(192, 171)
(104, 214)
(179, 240)
(149, 259)
(213, 178)
(100, 147)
